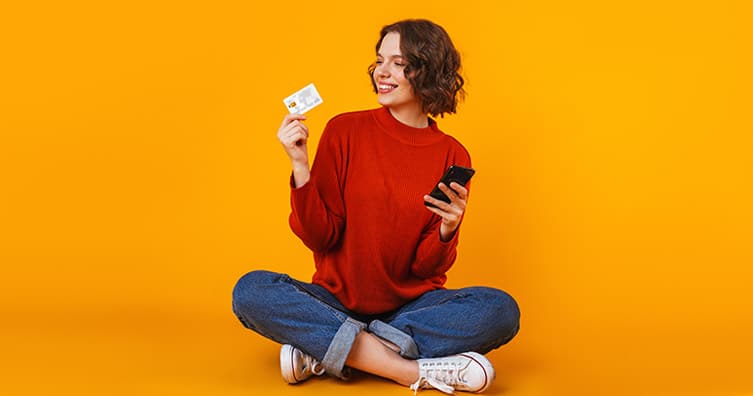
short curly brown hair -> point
(433, 64)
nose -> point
(381, 71)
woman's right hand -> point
(293, 135)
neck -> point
(412, 116)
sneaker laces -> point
(442, 377)
(428, 382)
(317, 368)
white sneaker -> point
(297, 366)
(469, 372)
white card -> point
(304, 100)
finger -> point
(292, 117)
(436, 210)
(301, 139)
(296, 138)
(455, 199)
(295, 124)
(303, 126)
(456, 189)
(294, 135)
(447, 217)
(441, 205)
(460, 190)
(296, 127)
(452, 211)
(449, 192)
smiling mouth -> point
(386, 88)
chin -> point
(383, 102)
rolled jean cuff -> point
(339, 348)
(408, 348)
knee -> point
(249, 287)
(504, 312)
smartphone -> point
(455, 173)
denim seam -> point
(454, 297)
(338, 314)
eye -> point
(378, 62)
(399, 64)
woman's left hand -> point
(452, 212)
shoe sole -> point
(286, 364)
(486, 365)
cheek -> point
(405, 82)
(407, 85)
(401, 75)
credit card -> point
(304, 100)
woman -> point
(377, 301)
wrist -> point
(300, 165)
(446, 233)
(301, 174)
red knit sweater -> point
(376, 246)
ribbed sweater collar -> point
(405, 133)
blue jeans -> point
(438, 323)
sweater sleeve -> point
(433, 256)
(317, 209)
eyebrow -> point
(391, 56)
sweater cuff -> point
(452, 240)
(292, 183)
(298, 195)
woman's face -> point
(393, 89)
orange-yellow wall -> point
(139, 168)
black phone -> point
(455, 173)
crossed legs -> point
(309, 318)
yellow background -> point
(140, 176)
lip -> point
(385, 87)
